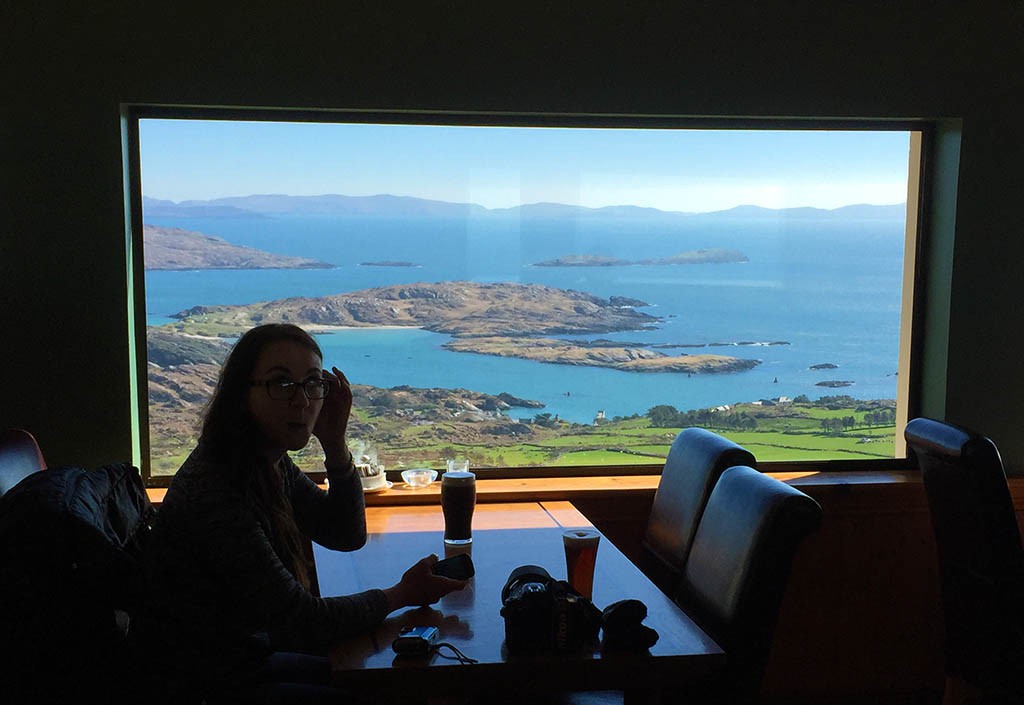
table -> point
(505, 536)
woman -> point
(229, 612)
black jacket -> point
(72, 542)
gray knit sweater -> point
(214, 579)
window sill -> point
(856, 492)
(860, 487)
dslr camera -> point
(543, 614)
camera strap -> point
(459, 656)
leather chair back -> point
(738, 569)
(20, 456)
(695, 461)
(978, 543)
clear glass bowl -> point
(419, 477)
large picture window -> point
(558, 294)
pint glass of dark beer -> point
(458, 499)
(580, 558)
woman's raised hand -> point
(332, 424)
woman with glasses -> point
(230, 615)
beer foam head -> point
(458, 477)
(581, 536)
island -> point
(714, 255)
(177, 249)
(824, 366)
(458, 308)
(626, 359)
(835, 383)
(506, 319)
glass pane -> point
(531, 296)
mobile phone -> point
(459, 566)
(414, 641)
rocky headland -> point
(175, 249)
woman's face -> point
(286, 423)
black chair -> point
(19, 457)
(981, 564)
(737, 572)
(733, 582)
(694, 463)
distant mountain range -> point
(388, 205)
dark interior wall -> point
(69, 66)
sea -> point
(828, 288)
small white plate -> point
(387, 486)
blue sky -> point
(498, 167)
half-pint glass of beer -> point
(580, 557)
(458, 499)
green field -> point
(790, 432)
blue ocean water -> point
(830, 288)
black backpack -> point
(71, 545)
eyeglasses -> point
(284, 389)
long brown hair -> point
(231, 437)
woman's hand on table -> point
(419, 586)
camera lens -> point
(521, 576)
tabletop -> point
(505, 536)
